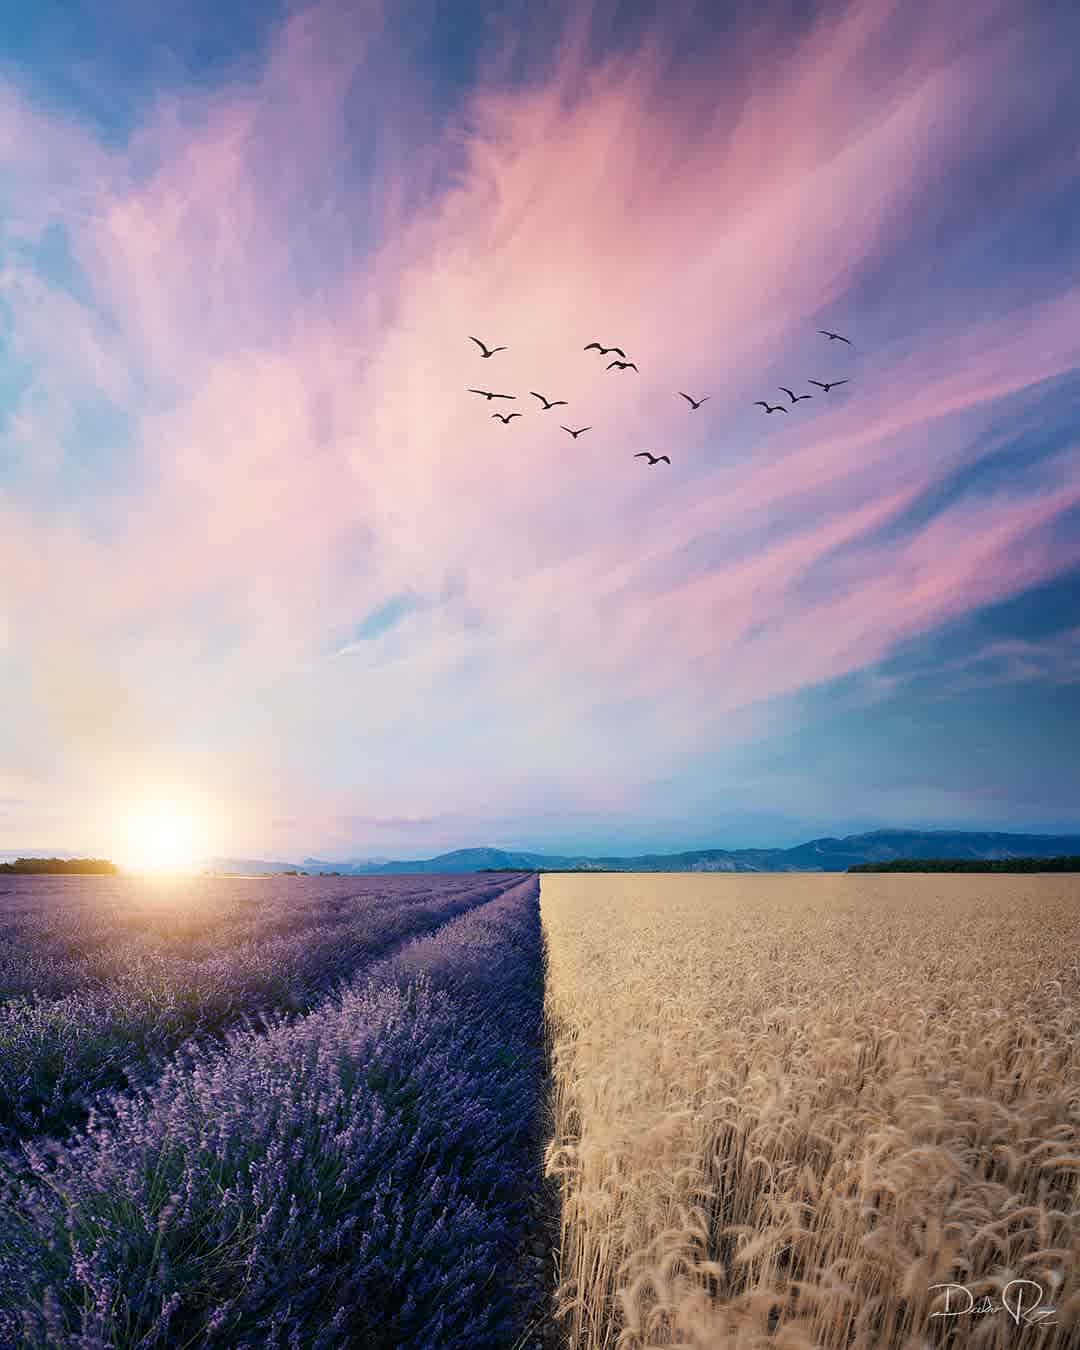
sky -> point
(261, 550)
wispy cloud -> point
(284, 327)
(1050, 661)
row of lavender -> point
(170, 967)
(61, 934)
(359, 1176)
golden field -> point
(786, 1106)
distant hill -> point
(460, 860)
(818, 855)
(253, 866)
(349, 864)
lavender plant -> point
(359, 1176)
(57, 1054)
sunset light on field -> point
(540, 674)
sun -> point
(161, 835)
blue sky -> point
(265, 556)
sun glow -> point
(161, 835)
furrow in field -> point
(62, 934)
(58, 1055)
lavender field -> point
(102, 978)
(287, 1112)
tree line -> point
(1064, 863)
(76, 866)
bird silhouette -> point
(694, 406)
(776, 407)
(577, 433)
(484, 394)
(623, 365)
(505, 417)
(831, 385)
(793, 397)
(653, 459)
(835, 337)
(604, 351)
(558, 403)
(487, 351)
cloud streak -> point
(282, 321)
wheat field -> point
(787, 1106)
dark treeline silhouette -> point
(75, 866)
(1066, 863)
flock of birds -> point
(622, 363)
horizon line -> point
(381, 860)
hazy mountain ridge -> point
(827, 854)
(247, 866)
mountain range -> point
(818, 855)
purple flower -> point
(357, 1175)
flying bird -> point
(623, 365)
(653, 459)
(558, 403)
(577, 433)
(831, 385)
(486, 351)
(777, 407)
(484, 394)
(504, 418)
(604, 351)
(793, 397)
(835, 337)
(694, 406)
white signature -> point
(1023, 1307)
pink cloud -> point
(303, 452)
